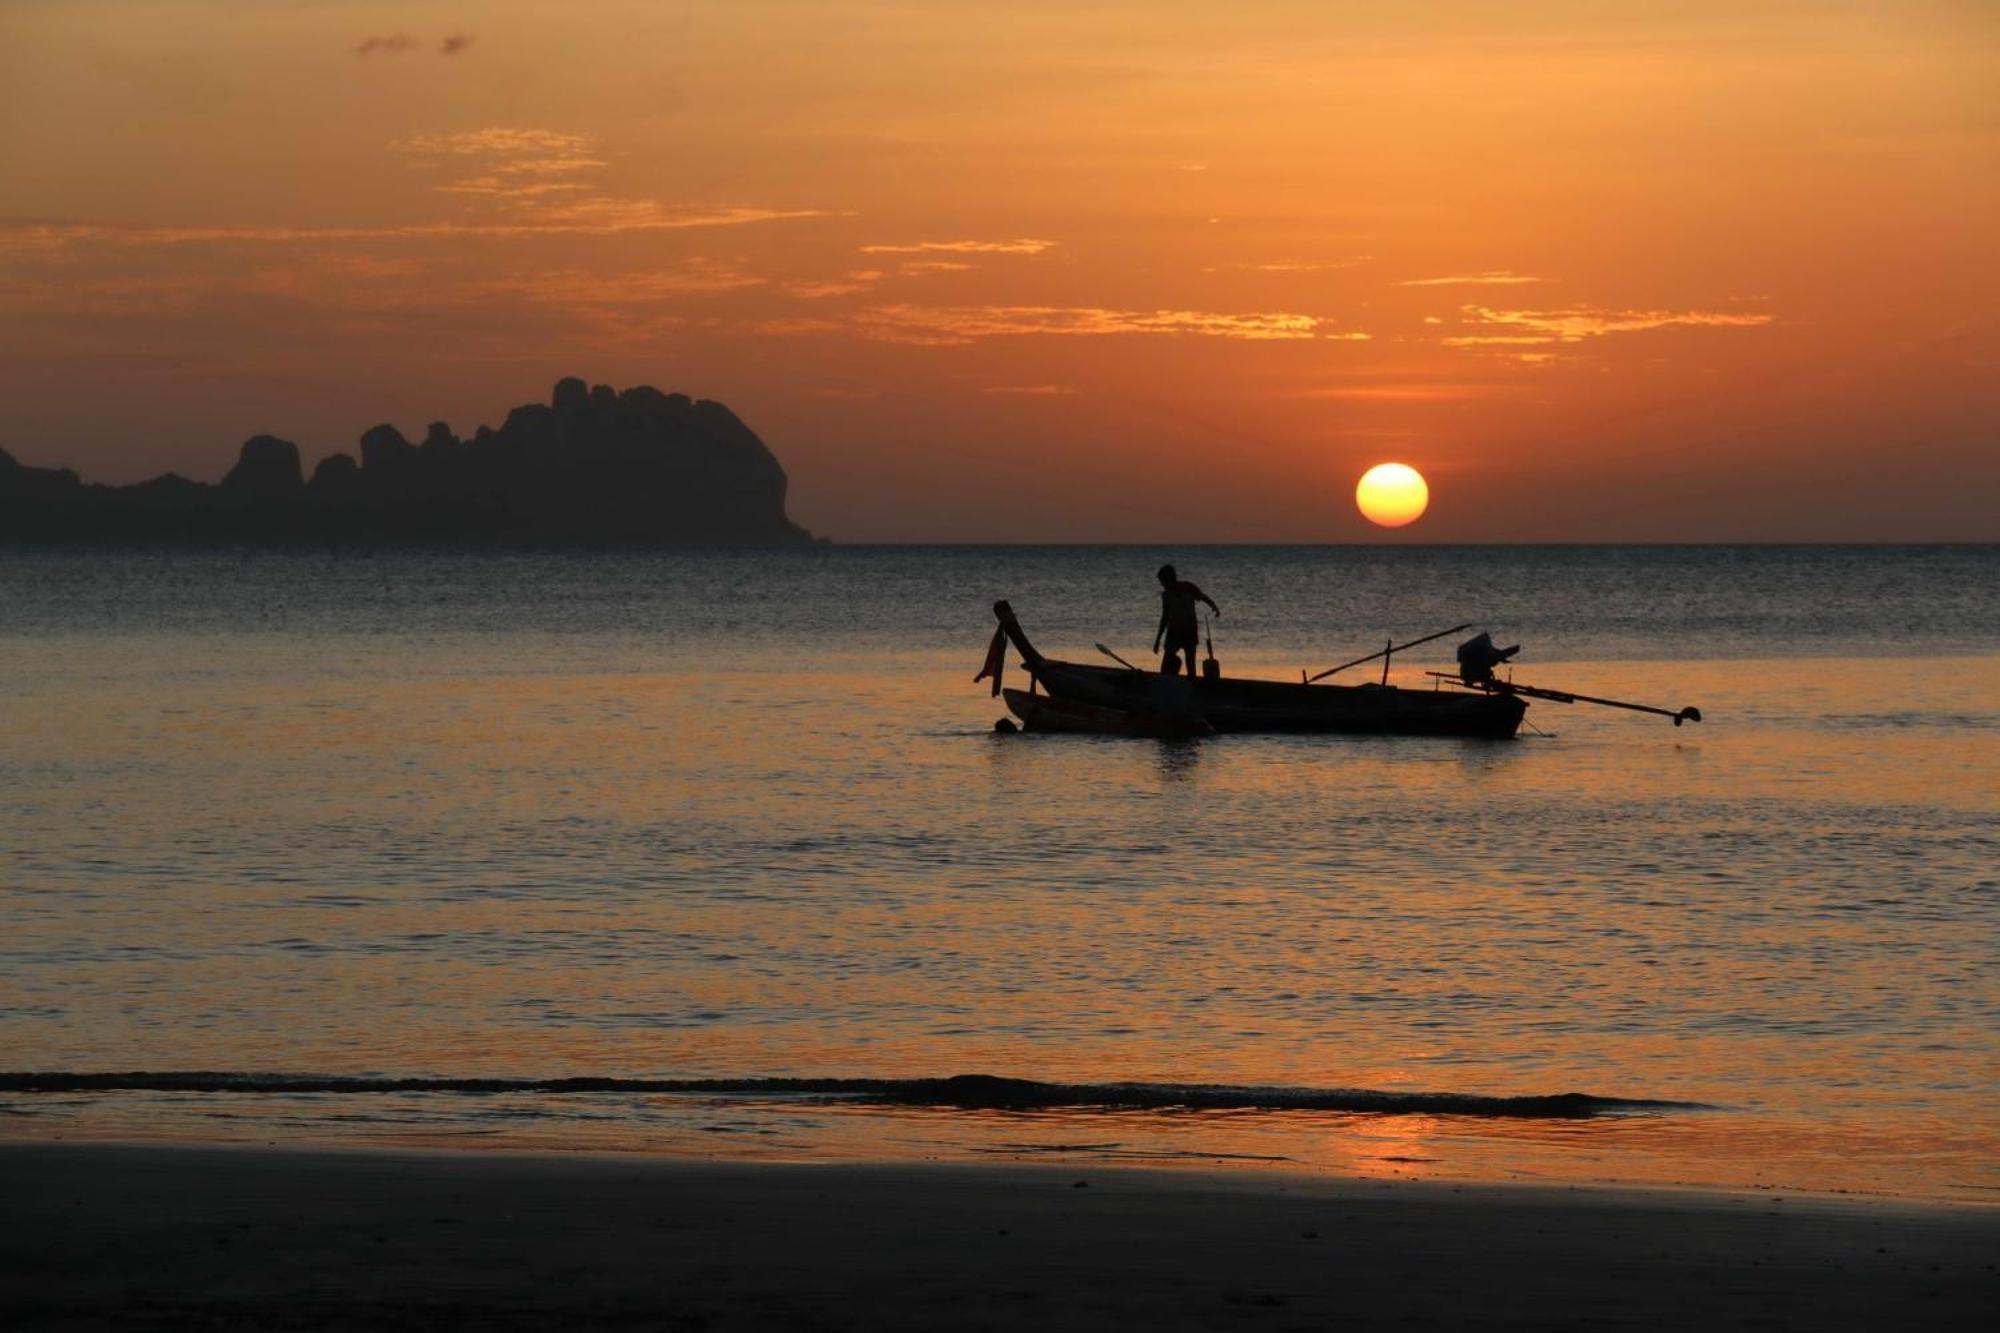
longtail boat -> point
(1126, 700)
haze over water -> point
(733, 816)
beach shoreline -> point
(102, 1235)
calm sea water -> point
(324, 824)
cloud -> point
(1498, 277)
(1292, 265)
(539, 166)
(497, 141)
(642, 287)
(1030, 390)
(596, 217)
(811, 290)
(503, 187)
(542, 176)
(796, 324)
(1396, 393)
(513, 165)
(536, 181)
(1575, 325)
(1532, 349)
(516, 183)
(605, 216)
(948, 326)
(916, 268)
(366, 284)
(1023, 246)
(395, 43)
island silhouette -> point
(594, 466)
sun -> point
(1392, 494)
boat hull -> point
(1041, 712)
(1241, 705)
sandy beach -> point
(112, 1236)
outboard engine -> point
(1477, 657)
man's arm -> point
(1201, 596)
(1161, 632)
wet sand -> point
(114, 1236)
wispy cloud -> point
(508, 187)
(542, 166)
(1030, 390)
(819, 289)
(329, 281)
(523, 182)
(791, 325)
(1291, 265)
(917, 268)
(543, 179)
(958, 325)
(643, 287)
(1575, 325)
(510, 165)
(396, 43)
(1532, 349)
(594, 218)
(1498, 277)
(1023, 246)
(497, 141)
(1396, 393)
(606, 216)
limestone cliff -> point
(593, 467)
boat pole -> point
(1392, 648)
(1115, 657)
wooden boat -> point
(1124, 700)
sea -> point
(720, 854)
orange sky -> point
(1045, 271)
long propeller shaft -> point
(1679, 715)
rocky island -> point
(592, 467)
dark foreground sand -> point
(95, 1236)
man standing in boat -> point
(1177, 621)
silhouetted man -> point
(1177, 620)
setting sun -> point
(1392, 494)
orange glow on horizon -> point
(1019, 273)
